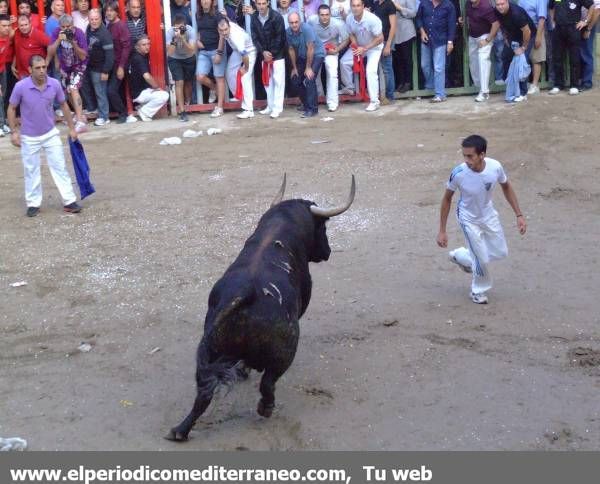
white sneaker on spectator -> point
(520, 99)
(212, 97)
(500, 82)
(482, 97)
(533, 89)
(58, 113)
(332, 108)
(216, 112)
(245, 115)
(479, 298)
(131, 119)
(93, 112)
(80, 127)
(5, 129)
(372, 107)
(2, 134)
(346, 90)
(554, 90)
(274, 115)
(573, 91)
(101, 122)
(265, 111)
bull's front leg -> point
(267, 390)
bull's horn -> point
(332, 212)
(280, 193)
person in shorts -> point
(181, 57)
(69, 44)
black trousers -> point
(402, 62)
(113, 89)
(566, 38)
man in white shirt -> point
(366, 40)
(81, 16)
(242, 60)
(476, 179)
(334, 36)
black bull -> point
(254, 309)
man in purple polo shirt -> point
(483, 27)
(36, 95)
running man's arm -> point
(442, 238)
(511, 198)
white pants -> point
(276, 88)
(31, 150)
(151, 101)
(485, 243)
(331, 70)
(373, 55)
(233, 65)
(480, 64)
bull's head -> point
(321, 250)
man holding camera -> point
(181, 52)
(69, 44)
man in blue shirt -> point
(306, 55)
(538, 12)
(436, 22)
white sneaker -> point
(274, 115)
(332, 109)
(573, 91)
(245, 115)
(346, 90)
(80, 127)
(2, 134)
(265, 111)
(454, 260)
(58, 113)
(131, 119)
(500, 82)
(482, 97)
(216, 112)
(554, 90)
(372, 107)
(5, 129)
(101, 122)
(533, 89)
(479, 298)
(520, 99)
(93, 112)
(212, 97)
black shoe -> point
(585, 87)
(72, 208)
(308, 114)
(121, 120)
(300, 108)
(183, 117)
(32, 211)
(404, 87)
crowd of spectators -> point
(306, 48)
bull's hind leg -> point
(267, 390)
(181, 432)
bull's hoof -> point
(265, 410)
(176, 436)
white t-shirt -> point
(335, 9)
(367, 29)
(476, 189)
(79, 20)
(239, 40)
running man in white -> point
(476, 179)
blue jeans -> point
(388, 73)
(498, 63)
(507, 56)
(99, 97)
(307, 88)
(433, 64)
(586, 48)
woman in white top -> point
(406, 10)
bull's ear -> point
(279, 197)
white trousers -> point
(31, 150)
(151, 101)
(276, 88)
(331, 70)
(480, 64)
(233, 65)
(373, 55)
(485, 243)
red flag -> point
(239, 89)
(267, 72)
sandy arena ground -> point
(393, 354)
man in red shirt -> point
(6, 53)
(28, 41)
(24, 8)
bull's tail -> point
(212, 375)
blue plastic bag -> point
(82, 168)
